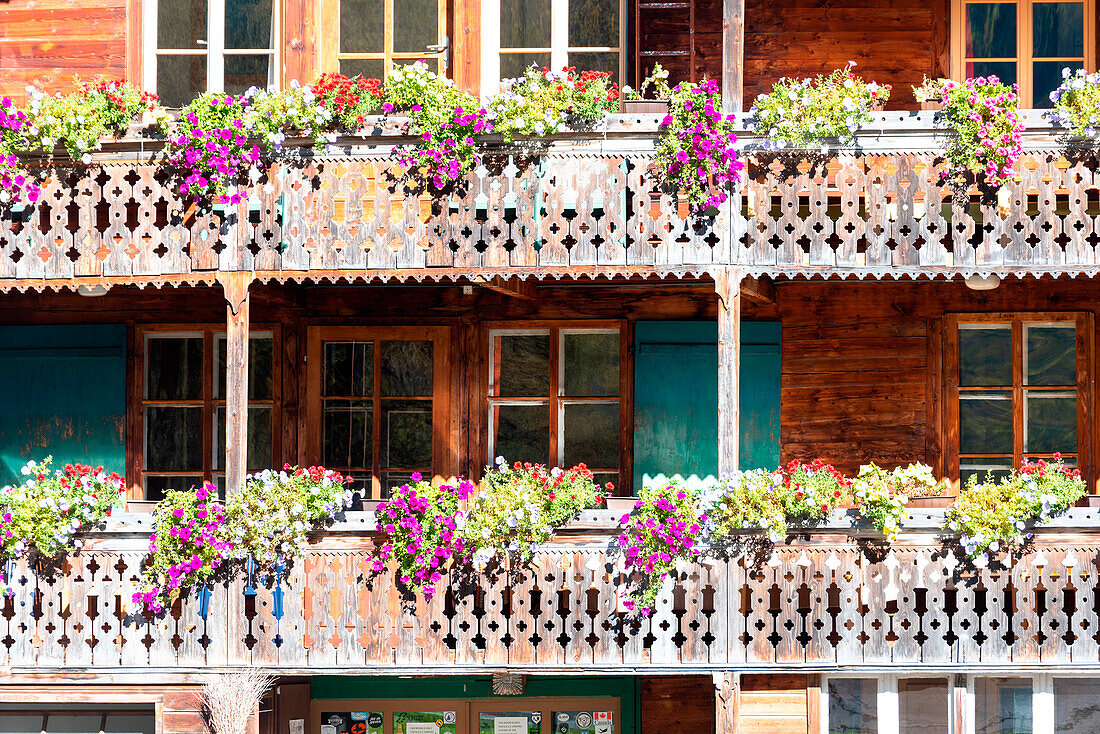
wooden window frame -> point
(1084, 324)
(330, 54)
(215, 51)
(1023, 58)
(135, 463)
(559, 48)
(467, 709)
(444, 431)
(556, 400)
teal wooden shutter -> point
(676, 398)
(62, 393)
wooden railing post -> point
(727, 283)
(733, 55)
(235, 285)
(726, 690)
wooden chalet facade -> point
(561, 308)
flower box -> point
(141, 506)
(645, 106)
(933, 501)
(931, 105)
(621, 504)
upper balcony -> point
(582, 204)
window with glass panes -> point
(554, 397)
(1016, 384)
(369, 37)
(195, 46)
(1028, 42)
(183, 409)
(378, 404)
(586, 34)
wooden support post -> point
(733, 55)
(235, 285)
(727, 282)
(726, 693)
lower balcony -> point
(831, 599)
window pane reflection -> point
(853, 706)
(1002, 706)
(923, 706)
(1076, 706)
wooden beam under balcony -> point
(235, 287)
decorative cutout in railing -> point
(813, 606)
(561, 212)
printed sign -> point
(353, 722)
(424, 722)
(509, 722)
(583, 722)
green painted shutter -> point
(676, 398)
(62, 393)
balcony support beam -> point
(733, 55)
(235, 286)
(727, 283)
(727, 691)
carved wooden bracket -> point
(235, 286)
(725, 701)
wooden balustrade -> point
(832, 602)
(585, 205)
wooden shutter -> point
(676, 398)
(62, 393)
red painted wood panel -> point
(47, 42)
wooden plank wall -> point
(45, 43)
(860, 370)
(896, 42)
(775, 704)
(857, 383)
(677, 703)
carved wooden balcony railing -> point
(584, 205)
(831, 601)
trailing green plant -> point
(189, 543)
(543, 102)
(1077, 103)
(443, 118)
(799, 113)
(657, 81)
(196, 535)
(43, 515)
(80, 120)
(664, 527)
(983, 112)
(15, 185)
(423, 529)
(882, 495)
(270, 116)
(994, 515)
(744, 501)
(214, 149)
(275, 510)
(696, 153)
(518, 507)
